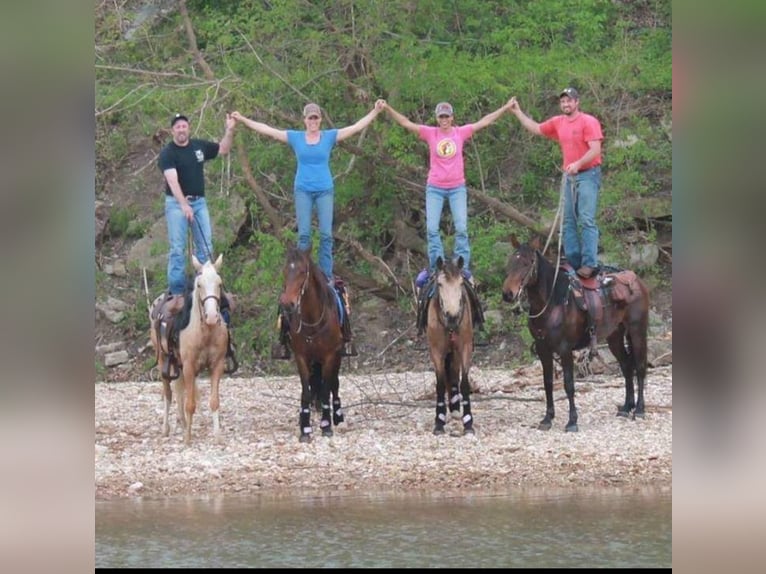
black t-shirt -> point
(188, 161)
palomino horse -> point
(202, 341)
(311, 308)
(450, 342)
(619, 303)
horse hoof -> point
(544, 426)
(571, 428)
(305, 438)
(622, 413)
(639, 416)
(438, 430)
(336, 420)
(327, 432)
(469, 432)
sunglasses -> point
(312, 118)
(442, 116)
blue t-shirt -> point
(313, 172)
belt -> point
(193, 197)
(586, 170)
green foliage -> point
(123, 222)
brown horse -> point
(617, 309)
(202, 342)
(450, 341)
(311, 308)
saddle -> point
(590, 294)
(427, 292)
(162, 316)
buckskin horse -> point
(312, 310)
(616, 309)
(450, 341)
(202, 342)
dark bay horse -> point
(202, 342)
(311, 306)
(450, 342)
(619, 307)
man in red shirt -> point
(579, 135)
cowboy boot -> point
(349, 349)
(280, 349)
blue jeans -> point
(178, 229)
(304, 204)
(579, 230)
(458, 204)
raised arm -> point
(224, 146)
(348, 131)
(401, 120)
(261, 128)
(528, 123)
(491, 117)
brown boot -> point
(280, 350)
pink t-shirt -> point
(573, 136)
(446, 154)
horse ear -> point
(514, 241)
(218, 262)
(439, 262)
(196, 263)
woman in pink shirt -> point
(446, 179)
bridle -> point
(530, 275)
(201, 304)
(297, 311)
(443, 320)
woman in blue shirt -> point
(313, 185)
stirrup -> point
(349, 349)
(280, 351)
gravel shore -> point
(386, 442)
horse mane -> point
(546, 272)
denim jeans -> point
(458, 204)
(178, 229)
(304, 204)
(579, 230)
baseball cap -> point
(571, 92)
(311, 109)
(178, 117)
(443, 108)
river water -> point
(574, 528)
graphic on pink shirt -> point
(446, 148)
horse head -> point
(449, 287)
(522, 269)
(296, 273)
(207, 289)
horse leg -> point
(441, 409)
(167, 398)
(637, 342)
(180, 404)
(465, 389)
(215, 403)
(337, 409)
(567, 364)
(190, 404)
(546, 359)
(624, 358)
(324, 397)
(454, 380)
(304, 417)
